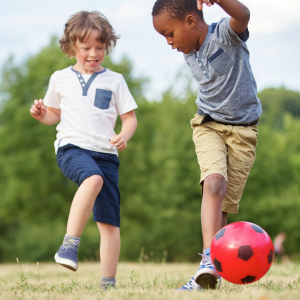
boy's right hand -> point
(38, 110)
(207, 2)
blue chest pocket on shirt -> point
(102, 98)
(220, 62)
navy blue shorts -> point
(78, 164)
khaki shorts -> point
(226, 150)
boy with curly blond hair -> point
(85, 99)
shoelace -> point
(191, 285)
(206, 261)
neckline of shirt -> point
(86, 75)
(86, 85)
(72, 69)
(206, 39)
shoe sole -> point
(67, 263)
(207, 278)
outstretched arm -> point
(129, 124)
(240, 14)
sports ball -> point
(242, 252)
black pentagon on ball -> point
(248, 279)
(220, 233)
(218, 265)
(257, 228)
(245, 252)
(270, 256)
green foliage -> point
(159, 183)
(271, 196)
(278, 101)
(159, 173)
(35, 195)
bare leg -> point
(82, 204)
(109, 249)
(214, 191)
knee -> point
(107, 228)
(95, 182)
(215, 184)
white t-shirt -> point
(89, 107)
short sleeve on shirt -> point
(226, 34)
(124, 100)
(52, 98)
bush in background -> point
(159, 173)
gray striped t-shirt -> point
(228, 91)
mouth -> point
(92, 62)
(178, 49)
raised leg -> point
(82, 204)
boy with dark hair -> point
(225, 126)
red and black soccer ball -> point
(242, 252)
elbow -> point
(246, 14)
(136, 122)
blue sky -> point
(27, 25)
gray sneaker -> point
(67, 257)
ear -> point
(191, 21)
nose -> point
(92, 52)
(170, 42)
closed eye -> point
(167, 34)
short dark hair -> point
(177, 9)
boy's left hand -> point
(119, 142)
(207, 2)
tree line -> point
(159, 173)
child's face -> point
(181, 35)
(89, 54)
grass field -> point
(137, 281)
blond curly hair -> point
(79, 27)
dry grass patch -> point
(137, 281)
